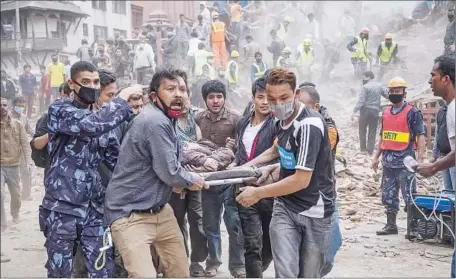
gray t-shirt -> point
(147, 168)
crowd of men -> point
(117, 198)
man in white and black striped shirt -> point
(301, 223)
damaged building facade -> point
(48, 27)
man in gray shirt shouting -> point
(136, 202)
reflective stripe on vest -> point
(228, 76)
(211, 71)
(361, 49)
(259, 72)
(386, 54)
(279, 61)
(282, 32)
(306, 57)
(218, 32)
(395, 129)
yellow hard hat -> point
(388, 36)
(234, 54)
(397, 82)
(288, 19)
(307, 42)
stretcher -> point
(232, 176)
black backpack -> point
(40, 156)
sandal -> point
(238, 273)
(196, 270)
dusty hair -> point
(279, 76)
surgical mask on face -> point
(396, 98)
(283, 112)
(19, 109)
(88, 95)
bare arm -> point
(40, 142)
(421, 148)
(267, 156)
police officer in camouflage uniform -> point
(71, 212)
(402, 132)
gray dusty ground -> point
(363, 253)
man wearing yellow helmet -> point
(359, 53)
(386, 53)
(283, 60)
(402, 131)
(232, 73)
(305, 58)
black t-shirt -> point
(304, 145)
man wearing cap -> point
(305, 57)
(258, 67)
(218, 41)
(232, 73)
(402, 132)
(358, 49)
(386, 53)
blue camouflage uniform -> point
(395, 175)
(71, 211)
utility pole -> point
(18, 39)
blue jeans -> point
(447, 176)
(335, 242)
(214, 200)
(299, 243)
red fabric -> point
(395, 123)
(254, 144)
(45, 86)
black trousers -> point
(255, 222)
(368, 123)
(190, 207)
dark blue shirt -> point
(27, 84)
(395, 159)
(79, 140)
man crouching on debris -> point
(148, 167)
(402, 132)
(305, 191)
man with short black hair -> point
(218, 124)
(56, 72)
(17, 113)
(8, 89)
(369, 108)
(255, 133)
(72, 207)
(148, 167)
(27, 82)
(304, 194)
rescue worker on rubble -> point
(276, 46)
(305, 57)
(386, 53)
(450, 35)
(72, 206)
(402, 131)
(282, 29)
(284, 60)
(330, 59)
(359, 53)
(258, 67)
(218, 41)
(232, 73)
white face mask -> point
(283, 112)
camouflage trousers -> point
(80, 269)
(394, 179)
(63, 232)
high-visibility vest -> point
(259, 73)
(218, 32)
(306, 57)
(282, 32)
(395, 129)
(228, 76)
(211, 70)
(386, 54)
(361, 49)
(279, 61)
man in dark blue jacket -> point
(72, 207)
(255, 133)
